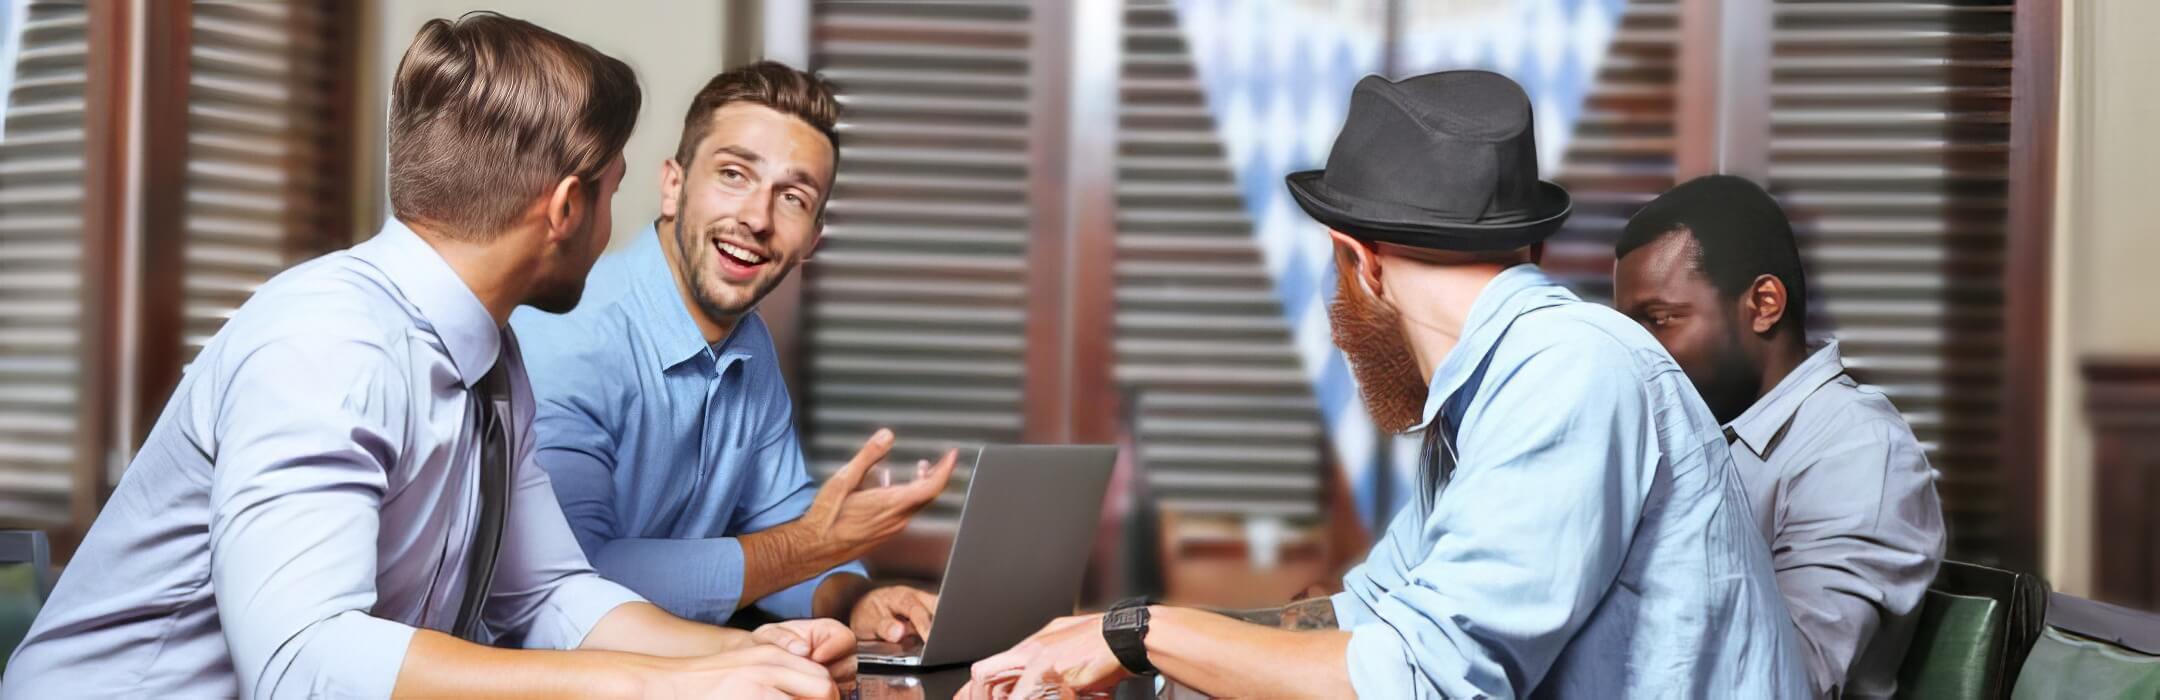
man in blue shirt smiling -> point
(663, 418)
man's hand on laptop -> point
(849, 523)
(893, 613)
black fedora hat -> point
(1444, 160)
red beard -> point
(1371, 337)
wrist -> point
(636, 678)
(1125, 630)
(815, 546)
(838, 595)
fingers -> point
(831, 640)
(929, 486)
(1001, 665)
(873, 451)
(867, 623)
(1032, 680)
(774, 667)
(841, 669)
(779, 635)
(918, 608)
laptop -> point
(1025, 531)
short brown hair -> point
(489, 112)
(786, 90)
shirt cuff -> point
(351, 655)
(1378, 666)
(1350, 610)
(573, 609)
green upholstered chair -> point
(1976, 624)
(2093, 650)
(25, 578)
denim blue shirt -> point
(307, 499)
(1593, 539)
(664, 449)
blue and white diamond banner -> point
(1278, 75)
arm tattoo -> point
(1308, 614)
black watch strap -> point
(1125, 629)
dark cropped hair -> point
(776, 85)
(1740, 233)
(488, 112)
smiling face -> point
(1662, 287)
(747, 207)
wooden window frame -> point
(161, 289)
(161, 58)
(1728, 131)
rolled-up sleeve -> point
(783, 492)
(693, 578)
(1857, 544)
(296, 497)
(1510, 576)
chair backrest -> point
(1952, 654)
(25, 579)
(1975, 627)
(2093, 650)
(29, 547)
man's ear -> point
(671, 180)
(1363, 261)
(1764, 303)
(565, 206)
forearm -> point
(1226, 658)
(438, 665)
(1304, 615)
(641, 628)
(783, 556)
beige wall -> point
(674, 46)
(2107, 221)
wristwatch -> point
(1125, 629)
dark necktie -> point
(492, 399)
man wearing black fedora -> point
(1578, 529)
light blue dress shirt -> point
(1593, 540)
(665, 449)
(306, 501)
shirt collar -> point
(1762, 422)
(665, 314)
(467, 331)
(1515, 291)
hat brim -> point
(1394, 223)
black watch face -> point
(1128, 618)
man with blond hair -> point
(340, 499)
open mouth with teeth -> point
(737, 262)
